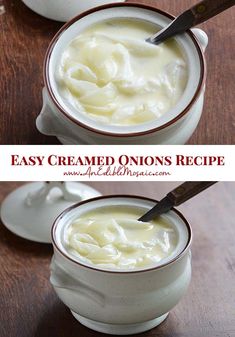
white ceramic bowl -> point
(62, 10)
(116, 301)
(72, 127)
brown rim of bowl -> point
(114, 134)
(58, 219)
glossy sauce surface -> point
(112, 237)
(110, 73)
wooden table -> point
(30, 308)
(25, 37)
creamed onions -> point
(111, 75)
(112, 237)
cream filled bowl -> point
(105, 85)
(118, 275)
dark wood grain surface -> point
(30, 308)
(24, 39)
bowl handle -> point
(61, 279)
(48, 122)
(201, 37)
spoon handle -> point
(199, 13)
(206, 9)
(176, 197)
(188, 190)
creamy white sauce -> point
(112, 75)
(111, 237)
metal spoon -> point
(176, 197)
(197, 14)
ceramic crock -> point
(62, 10)
(116, 301)
(174, 127)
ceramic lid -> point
(61, 10)
(30, 210)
